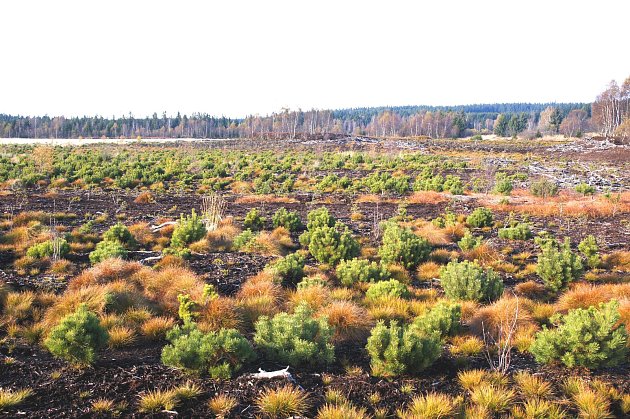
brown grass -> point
(142, 233)
(315, 297)
(105, 272)
(145, 197)
(220, 313)
(155, 328)
(351, 322)
(618, 260)
(497, 317)
(584, 296)
(426, 197)
(484, 253)
(165, 285)
(269, 199)
(428, 271)
(530, 289)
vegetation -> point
(589, 338)
(400, 245)
(480, 217)
(360, 270)
(557, 264)
(468, 281)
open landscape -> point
(394, 277)
(315, 210)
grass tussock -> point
(341, 411)
(350, 321)
(265, 199)
(282, 402)
(430, 406)
(12, 398)
(221, 405)
(497, 318)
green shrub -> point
(47, 248)
(400, 245)
(217, 353)
(106, 250)
(469, 242)
(333, 244)
(77, 337)
(503, 184)
(287, 219)
(289, 269)
(295, 339)
(543, 188)
(589, 338)
(118, 232)
(316, 219)
(557, 264)
(253, 221)
(244, 239)
(454, 185)
(588, 247)
(443, 318)
(188, 308)
(469, 281)
(361, 270)
(189, 229)
(390, 288)
(480, 217)
(397, 350)
(584, 189)
(519, 231)
(448, 219)
(312, 281)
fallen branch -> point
(161, 226)
(266, 375)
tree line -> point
(609, 115)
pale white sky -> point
(241, 57)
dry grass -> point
(351, 322)
(165, 285)
(282, 402)
(143, 234)
(155, 328)
(495, 399)
(221, 239)
(145, 197)
(430, 406)
(156, 400)
(268, 199)
(618, 260)
(11, 398)
(532, 386)
(315, 297)
(584, 296)
(276, 243)
(220, 313)
(471, 379)
(428, 270)
(18, 305)
(592, 405)
(103, 406)
(390, 308)
(538, 408)
(341, 411)
(483, 253)
(530, 289)
(426, 197)
(221, 405)
(496, 318)
(105, 272)
(121, 336)
(466, 346)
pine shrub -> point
(588, 247)
(119, 232)
(591, 338)
(383, 289)
(295, 339)
(469, 281)
(107, 250)
(361, 270)
(289, 269)
(253, 221)
(189, 229)
(78, 337)
(518, 231)
(480, 217)
(317, 218)
(333, 244)
(47, 249)
(401, 245)
(557, 264)
(287, 219)
(543, 188)
(217, 353)
(444, 318)
(397, 350)
(469, 241)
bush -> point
(468, 281)
(588, 247)
(454, 185)
(585, 189)
(295, 339)
(391, 288)
(557, 265)
(519, 231)
(289, 269)
(218, 353)
(503, 184)
(333, 244)
(543, 188)
(469, 242)
(400, 245)
(361, 270)
(106, 250)
(189, 229)
(77, 337)
(289, 220)
(316, 219)
(244, 239)
(443, 318)
(253, 220)
(590, 338)
(118, 232)
(397, 350)
(480, 217)
(47, 248)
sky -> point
(238, 58)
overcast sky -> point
(236, 58)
